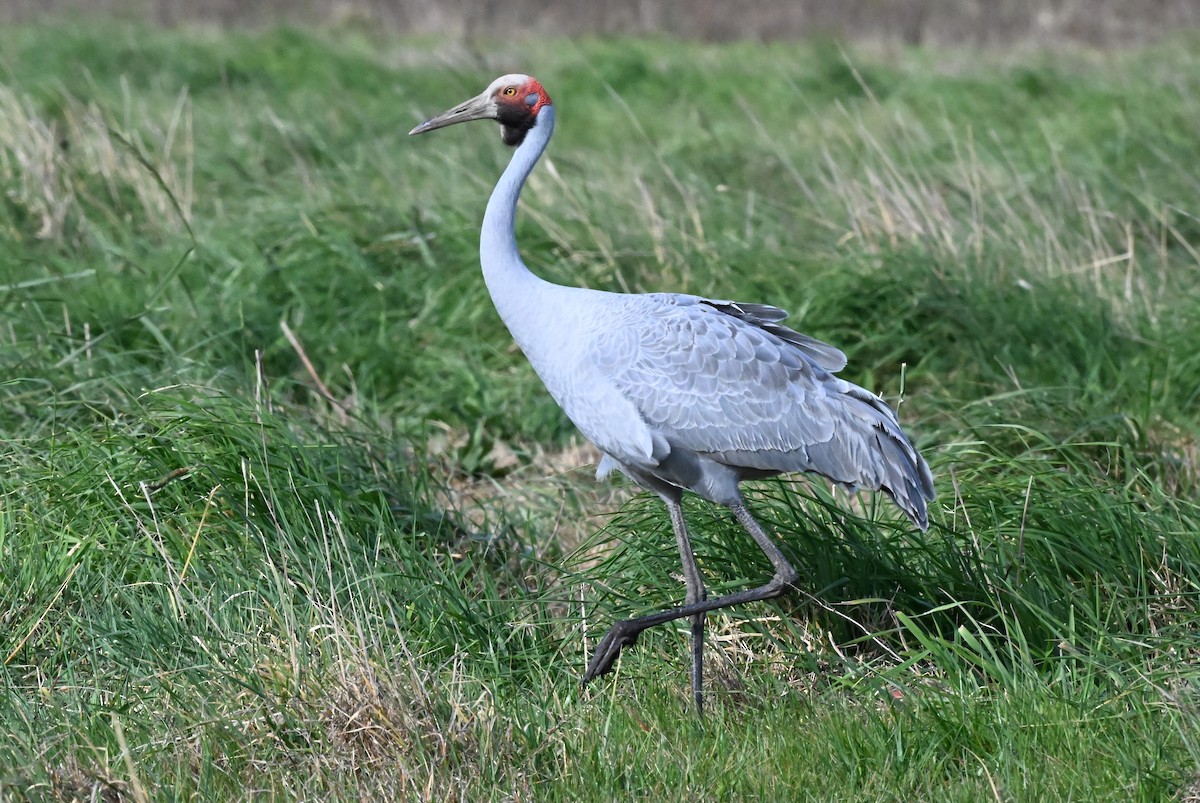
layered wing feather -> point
(730, 382)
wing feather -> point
(728, 381)
(768, 319)
(716, 376)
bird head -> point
(512, 100)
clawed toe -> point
(619, 636)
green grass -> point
(285, 513)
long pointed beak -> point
(481, 107)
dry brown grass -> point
(74, 782)
(558, 485)
(58, 167)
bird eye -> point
(512, 90)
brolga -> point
(678, 392)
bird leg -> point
(695, 593)
(625, 633)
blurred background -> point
(1100, 22)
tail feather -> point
(900, 471)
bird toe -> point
(619, 636)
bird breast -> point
(577, 343)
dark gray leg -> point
(623, 634)
(695, 593)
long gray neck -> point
(508, 281)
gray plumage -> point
(681, 392)
(727, 393)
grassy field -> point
(285, 514)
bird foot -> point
(621, 635)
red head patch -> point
(518, 100)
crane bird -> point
(678, 392)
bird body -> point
(684, 389)
(681, 392)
